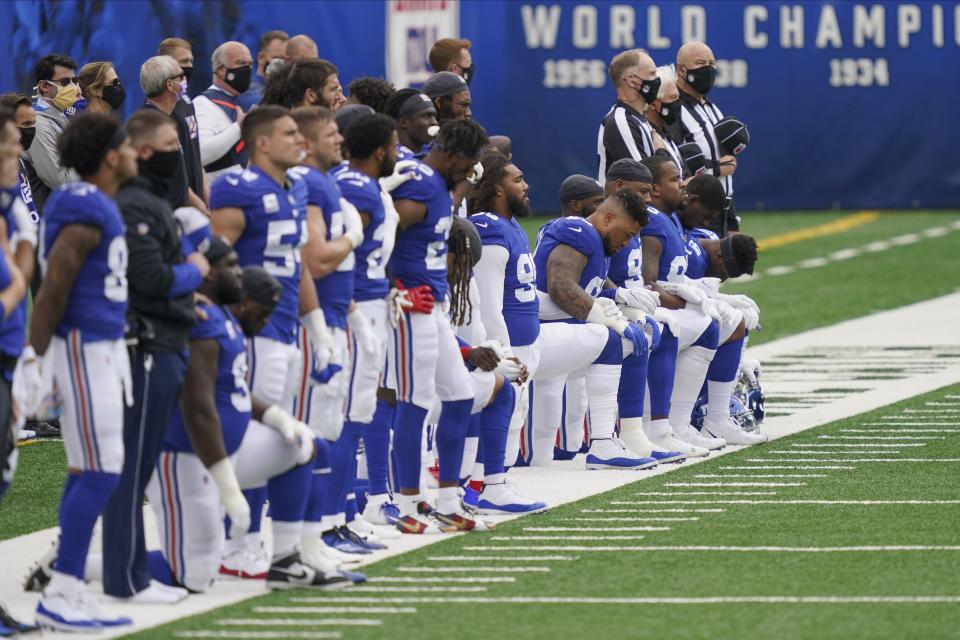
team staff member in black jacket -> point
(161, 312)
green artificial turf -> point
(695, 573)
(34, 496)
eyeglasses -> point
(64, 81)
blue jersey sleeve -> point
(231, 190)
(490, 229)
(360, 194)
(5, 277)
(212, 328)
(656, 227)
(577, 233)
(418, 190)
(76, 208)
(702, 234)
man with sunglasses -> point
(57, 90)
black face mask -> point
(670, 112)
(26, 136)
(239, 78)
(649, 89)
(468, 72)
(114, 95)
(187, 72)
(702, 79)
(162, 164)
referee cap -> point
(732, 135)
(445, 83)
(579, 187)
(693, 157)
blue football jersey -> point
(420, 255)
(404, 153)
(521, 308)
(626, 265)
(97, 304)
(334, 290)
(698, 262)
(231, 391)
(370, 274)
(13, 330)
(673, 257)
(275, 234)
(575, 232)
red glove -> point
(420, 298)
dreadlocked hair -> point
(458, 275)
(462, 137)
(481, 195)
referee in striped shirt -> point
(696, 73)
(663, 114)
(624, 131)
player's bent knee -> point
(710, 338)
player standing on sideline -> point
(416, 117)
(262, 212)
(424, 353)
(77, 328)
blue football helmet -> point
(746, 407)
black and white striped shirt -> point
(624, 133)
(671, 149)
(697, 120)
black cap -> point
(693, 157)
(350, 112)
(261, 287)
(215, 249)
(732, 135)
(445, 83)
(629, 170)
(579, 187)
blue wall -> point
(889, 140)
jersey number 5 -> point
(280, 258)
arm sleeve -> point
(186, 279)
(146, 271)
(46, 158)
(490, 273)
(217, 133)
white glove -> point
(29, 385)
(352, 224)
(231, 497)
(390, 221)
(26, 227)
(751, 318)
(497, 347)
(708, 307)
(605, 312)
(281, 422)
(739, 301)
(646, 300)
(631, 314)
(476, 175)
(402, 172)
(710, 286)
(509, 369)
(666, 317)
(361, 328)
(321, 340)
(691, 294)
(728, 315)
(750, 370)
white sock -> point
(63, 583)
(408, 504)
(470, 447)
(93, 567)
(374, 501)
(692, 365)
(448, 500)
(327, 523)
(657, 428)
(312, 529)
(286, 536)
(718, 401)
(495, 478)
(603, 381)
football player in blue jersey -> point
(262, 211)
(76, 335)
(710, 261)
(213, 426)
(424, 355)
(572, 259)
(416, 121)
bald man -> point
(219, 113)
(624, 131)
(696, 73)
(300, 47)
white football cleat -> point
(504, 499)
(244, 564)
(690, 435)
(611, 453)
(733, 434)
(667, 442)
(65, 612)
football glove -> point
(402, 172)
(321, 340)
(231, 497)
(640, 298)
(360, 327)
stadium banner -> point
(848, 104)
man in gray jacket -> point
(57, 91)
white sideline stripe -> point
(821, 452)
(420, 579)
(555, 529)
(299, 622)
(242, 635)
(442, 589)
(762, 475)
(882, 437)
(878, 460)
(382, 610)
(633, 519)
(652, 510)
(772, 467)
(944, 411)
(470, 569)
(912, 421)
(679, 601)
(756, 549)
(933, 403)
(734, 484)
(496, 559)
(704, 493)
(855, 444)
(563, 538)
(903, 430)
(866, 502)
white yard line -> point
(793, 467)
(853, 502)
(503, 559)
(874, 460)
(367, 610)
(255, 635)
(761, 476)
(299, 622)
(668, 494)
(654, 510)
(828, 437)
(719, 549)
(734, 484)
(593, 529)
(911, 430)
(425, 580)
(850, 445)
(418, 589)
(926, 599)
(596, 538)
(474, 569)
(822, 452)
(932, 323)
(633, 519)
